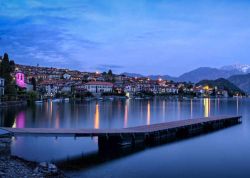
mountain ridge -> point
(242, 81)
(223, 84)
(201, 73)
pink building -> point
(20, 80)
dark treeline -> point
(7, 67)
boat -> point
(57, 100)
(66, 99)
(138, 98)
(88, 99)
(111, 98)
(39, 102)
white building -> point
(99, 87)
(51, 89)
(66, 89)
(129, 88)
(1, 86)
(66, 76)
(54, 76)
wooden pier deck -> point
(174, 127)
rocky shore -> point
(13, 167)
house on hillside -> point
(66, 76)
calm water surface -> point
(224, 153)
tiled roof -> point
(99, 83)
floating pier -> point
(145, 134)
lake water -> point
(224, 153)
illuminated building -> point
(20, 80)
(99, 87)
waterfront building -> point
(130, 88)
(51, 87)
(66, 88)
(99, 87)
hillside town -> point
(50, 82)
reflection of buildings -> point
(206, 103)
(57, 120)
(179, 110)
(148, 113)
(50, 111)
(191, 108)
(99, 87)
(237, 106)
(7, 118)
(96, 119)
(126, 115)
(20, 120)
(163, 110)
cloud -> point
(135, 36)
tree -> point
(11, 91)
(12, 65)
(6, 68)
(32, 95)
(110, 76)
(110, 73)
(33, 82)
(181, 91)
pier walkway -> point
(139, 134)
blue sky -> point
(140, 36)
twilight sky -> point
(140, 36)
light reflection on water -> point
(148, 113)
(96, 120)
(105, 114)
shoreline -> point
(13, 166)
(5, 104)
(8, 104)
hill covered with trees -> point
(222, 84)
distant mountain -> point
(164, 77)
(132, 74)
(202, 73)
(153, 77)
(242, 81)
(243, 68)
(222, 83)
(206, 73)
